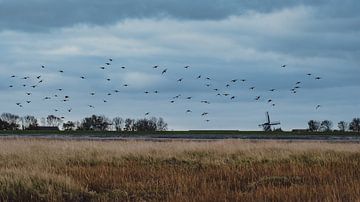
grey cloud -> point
(42, 15)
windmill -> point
(267, 125)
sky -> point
(221, 40)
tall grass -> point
(232, 170)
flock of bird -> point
(30, 83)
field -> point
(223, 170)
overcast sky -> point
(219, 39)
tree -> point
(129, 124)
(326, 125)
(161, 125)
(53, 121)
(145, 125)
(314, 125)
(355, 125)
(12, 120)
(29, 122)
(343, 126)
(68, 126)
(4, 125)
(98, 123)
(118, 123)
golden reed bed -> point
(229, 170)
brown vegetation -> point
(234, 170)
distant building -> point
(52, 128)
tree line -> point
(326, 125)
(9, 121)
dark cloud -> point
(42, 15)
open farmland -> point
(226, 170)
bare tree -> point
(314, 125)
(118, 123)
(326, 125)
(53, 120)
(129, 124)
(29, 122)
(99, 123)
(161, 125)
(11, 119)
(145, 125)
(68, 126)
(343, 126)
(355, 125)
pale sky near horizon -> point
(219, 39)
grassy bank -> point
(48, 170)
(174, 133)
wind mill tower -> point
(267, 125)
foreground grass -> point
(234, 170)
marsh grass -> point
(232, 170)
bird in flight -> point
(156, 66)
(186, 67)
(317, 106)
(283, 66)
(164, 71)
(147, 113)
(317, 78)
